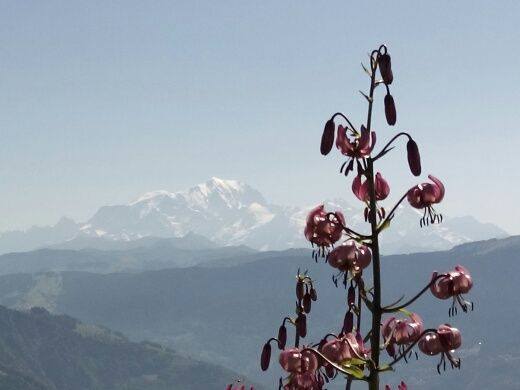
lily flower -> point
(453, 285)
(424, 196)
(401, 332)
(359, 146)
(350, 256)
(360, 189)
(344, 348)
(444, 341)
(302, 368)
(323, 229)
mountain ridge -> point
(230, 212)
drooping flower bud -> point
(307, 303)
(348, 322)
(351, 295)
(299, 290)
(282, 337)
(327, 139)
(390, 113)
(301, 325)
(266, 357)
(414, 158)
(385, 68)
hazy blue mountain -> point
(153, 254)
(38, 236)
(229, 212)
(224, 313)
(40, 351)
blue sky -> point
(102, 101)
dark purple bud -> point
(327, 139)
(390, 113)
(301, 325)
(307, 303)
(414, 158)
(299, 290)
(351, 296)
(348, 322)
(282, 337)
(266, 357)
(314, 294)
(385, 68)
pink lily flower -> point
(349, 346)
(444, 341)
(359, 146)
(453, 285)
(401, 332)
(360, 189)
(321, 230)
(302, 368)
(424, 196)
(350, 256)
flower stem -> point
(373, 379)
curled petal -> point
(381, 186)
(430, 344)
(441, 287)
(291, 360)
(449, 337)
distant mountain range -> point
(223, 310)
(229, 212)
(150, 253)
(41, 351)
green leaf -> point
(354, 371)
(354, 362)
(385, 367)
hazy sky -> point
(101, 101)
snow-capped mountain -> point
(229, 212)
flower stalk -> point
(345, 355)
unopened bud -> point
(414, 158)
(266, 357)
(307, 303)
(327, 139)
(390, 113)
(348, 322)
(282, 337)
(385, 68)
